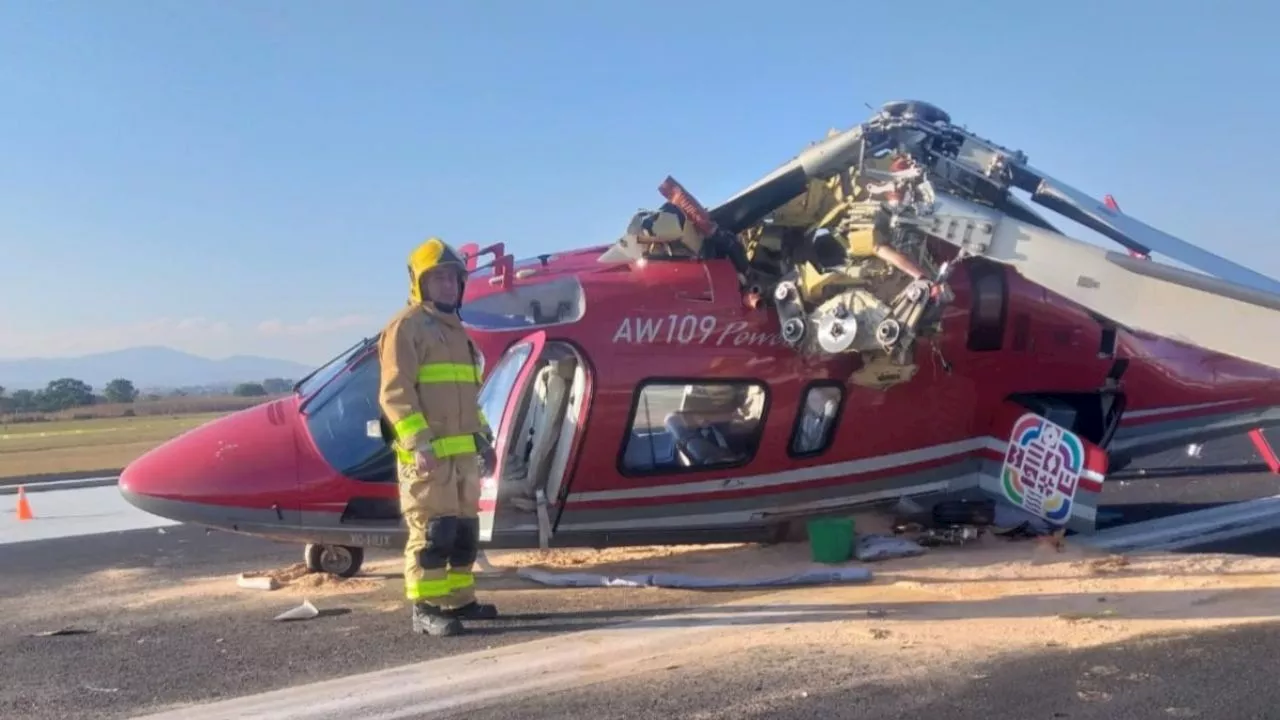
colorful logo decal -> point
(1042, 468)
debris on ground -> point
(870, 548)
(954, 535)
(1111, 563)
(305, 611)
(297, 576)
(64, 631)
(815, 576)
(257, 582)
(958, 522)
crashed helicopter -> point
(879, 317)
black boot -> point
(474, 611)
(431, 620)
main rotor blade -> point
(1137, 235)
(1141, 294)
(784, 183)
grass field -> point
(101, 443)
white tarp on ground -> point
(809, 576)
(71, 513)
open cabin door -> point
(500, 399)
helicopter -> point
(880, 317)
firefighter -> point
(429, 396)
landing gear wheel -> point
(341, 560)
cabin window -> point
(816, 420)
(679, 426)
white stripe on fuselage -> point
(809, 474)
(903, 459)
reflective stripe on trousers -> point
(444, 447)
(436, 589)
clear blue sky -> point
(228, 176)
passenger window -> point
(816, 420)
(694, 427)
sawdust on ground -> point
(955, 607)
(153, 590)
(296, 577)
(989, 596)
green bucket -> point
(831, 539)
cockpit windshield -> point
(326, 372)
(338, 416)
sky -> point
(233, 176)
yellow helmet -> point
(431, 254)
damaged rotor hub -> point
(793, 331)
(888, 332)
(915, 110)
(790, 312)
(836, 334)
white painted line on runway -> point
(1189, 529)
(74, 513)
(417, 690)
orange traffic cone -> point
(24, 507)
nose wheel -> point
(341, 560)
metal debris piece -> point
(64, 631)
(305, 611)
(257, 582)
(956, 535)
(870, 548)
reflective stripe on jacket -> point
(430, 383)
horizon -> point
(247, 179)
(150, 369)
(232, 356)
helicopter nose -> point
(239, 460)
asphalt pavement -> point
(145, 634)
(1218, 675)
(141, 633)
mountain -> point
(147, 367)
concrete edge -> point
(60, 476)
(51, 485)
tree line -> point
(69, 393)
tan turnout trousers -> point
(440, 511)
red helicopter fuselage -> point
(585, 367)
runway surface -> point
(152, 618)
(166, 624)
(1218, 675)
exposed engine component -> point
(852, 243)
(851, 279)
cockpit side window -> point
(535, 305)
